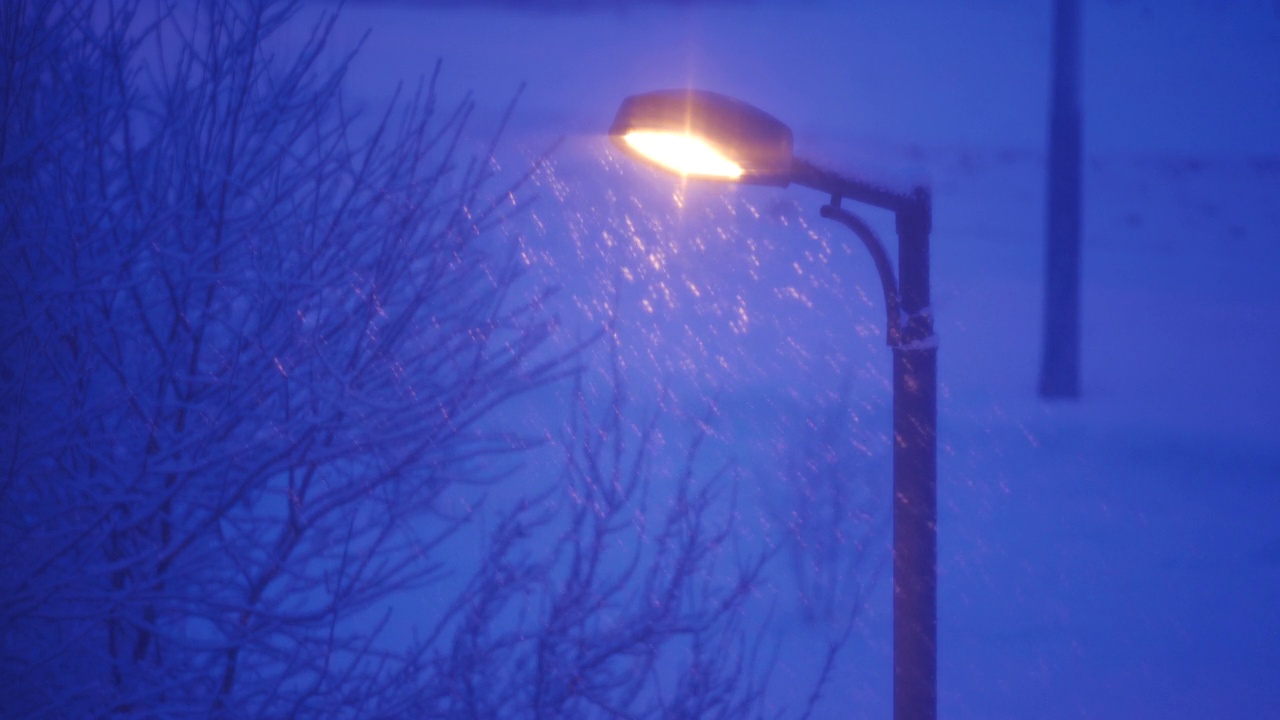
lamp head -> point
(705, 135)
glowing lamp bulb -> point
(683, 153)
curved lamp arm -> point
(880, 257)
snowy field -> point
(1115, 557)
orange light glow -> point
(684, 154)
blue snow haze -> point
(1113, 556)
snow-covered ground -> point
(1115, 557)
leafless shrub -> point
(254, 346)
(249, 344)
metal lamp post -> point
(710, 136)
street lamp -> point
(706, 135)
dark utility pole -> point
(915, 473)
(1060, 361)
